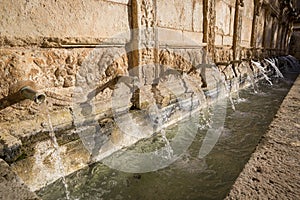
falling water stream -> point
(262, 71)
(291, 65)
(57, 154)
(191, 176)
(272, 62)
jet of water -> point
(57, 155)
(272, 62)
(262, 70)
(291, 64)
(168, 147)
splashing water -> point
(57, 155)
(290, 62)
(262, 70)
(242, 100)
(168, 147)
(204, 120)
(229, 95)
(272, 62)
(250, 78)
(238, 98)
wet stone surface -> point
(11, 187)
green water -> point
(189, 177)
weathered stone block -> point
(12, 187)
(44, 166)
(223, 17)
(219, 40)
(227, 40)
(192, 38)
(170, 37)
(56, 72)
(198, 16)
(175, 14)
(46, 18)
(10, 146)
(246, 32)
(120, 1)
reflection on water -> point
(189, 177)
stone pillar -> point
(237, 29)
(274, 32)
(266, 31)
(284, 32)
(256, 13)
(279, 36)
(288, 36)
(209, 21)
(144, 51)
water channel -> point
(190, 176)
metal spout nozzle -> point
(28, 93)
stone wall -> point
(47, 41)
(76, 51)
(294, 49)
(41, 41)
(34, 22)
(295, 38)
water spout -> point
(23, 91)
(33, 95)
